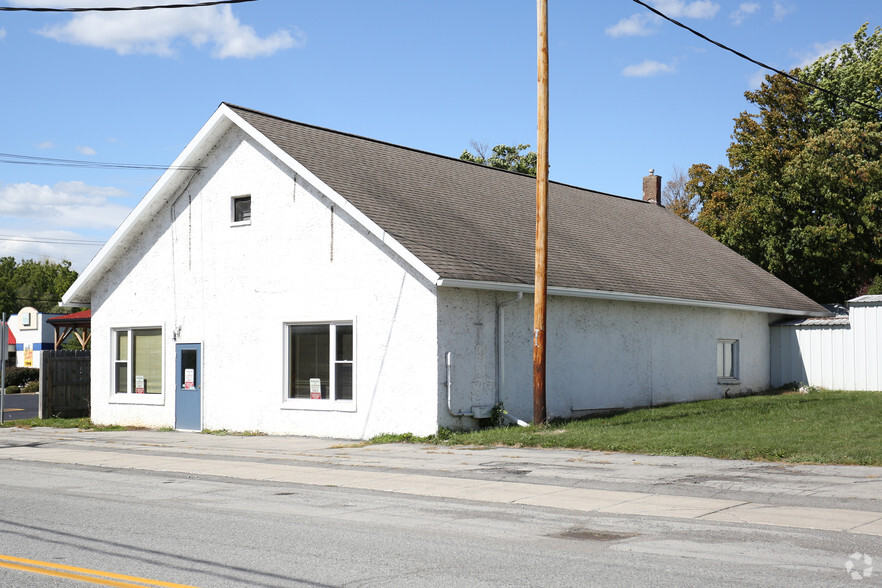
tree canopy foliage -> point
(802, 194)
(508, 157)
(39, 284)
(677, 198)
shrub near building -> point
(20, 376)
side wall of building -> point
(236, 288)
(601, 354)
(838, 357)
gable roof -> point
(464, 224)
(80, 317)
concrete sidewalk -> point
(834, 498)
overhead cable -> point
(119, 8)
(50, 240)
(50, 161)
(755, 62)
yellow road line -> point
(82, 574)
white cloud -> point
(681, 8)
(159, 32)
(817, 51)
(757, 79)
(66, 204)
(2, 33)
(85, 150)
(46, 145)
(647, 68)
(636, 25)
(782, 9)
(643, 24)
(79, 255)
(744, 10)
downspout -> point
(500, 359)
(448, 362)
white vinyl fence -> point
(839, 353)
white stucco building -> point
(292, 279)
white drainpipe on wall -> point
(448, 362)
(500, 353)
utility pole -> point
(541, 283)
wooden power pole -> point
(541, 284)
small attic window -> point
(241, 210)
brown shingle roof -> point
(471, 222)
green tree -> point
(802, 194)
(40, 284)
(508, 157)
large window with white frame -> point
(727, 360)
(320, 362)
(137, 360)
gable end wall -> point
(233, 289)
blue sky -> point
(628, 92)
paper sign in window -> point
(315, 388)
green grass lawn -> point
(819, 427)
(83, 423)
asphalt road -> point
(204, 531)
(20, 406)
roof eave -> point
(621, 296)
(80, 292)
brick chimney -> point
(652, 188)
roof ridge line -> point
(424, 152)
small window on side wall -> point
(241, 210)
(727, 360)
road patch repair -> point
(831, 498)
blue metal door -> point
(188, 386)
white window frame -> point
(326, 404)
(131, 397)
(728, 361)
(233, 200)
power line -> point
(754, 61)
(120, 8)
(50, 240)
(53, 162)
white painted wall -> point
(837, 357)
(601, 354)
(233, 288)
(39, 336)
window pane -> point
(242, 209)
(344, 342)
(188, 362)
(727, 360)
(122, 345)
(721, 362)
(147, 352)
(343, 381)
(122, 377)
(309, 357)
